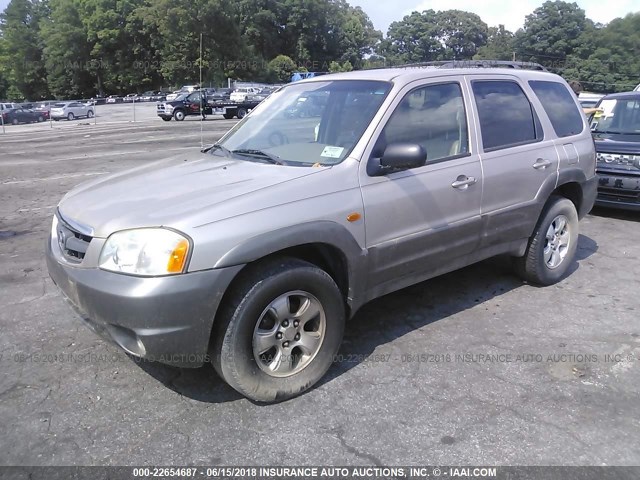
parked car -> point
(114, 99)
(253, 254)
(240, 94)
(7, 106)
(221, 94)
(130, 97)
(588, 99)
(71, 110)
(21, 115)
(616, 132)
(159, 96)
(44, 109)
(184, 90)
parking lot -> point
(471, 368)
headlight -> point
(146, 251)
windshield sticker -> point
(332, 152)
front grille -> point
(618, 194)
(73, 243)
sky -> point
(492, 12)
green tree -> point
(431, 35)
(67, 52)
(336, 67)
(500, 45)
(551, 32)
(282, 68)
(25, 69)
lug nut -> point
(285, 344)
(278, 335)
(296, 323)
(285, 323)
(297, 337)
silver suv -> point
(71, 110)
(254, 253)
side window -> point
(505, 113)
(559, 104)
(432, 116)
(194, 97)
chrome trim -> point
(78, 227)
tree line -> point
(84, 48)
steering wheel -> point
(277, 138)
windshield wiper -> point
(217, 146)
(259, 153)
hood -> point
(617, 143)
(186, 190)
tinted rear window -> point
(506, 116)
(559, 104)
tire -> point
(228, 116)
(552, 246)
(14, 121)
(179, 115)
(241, 113)
(40, 119)
(90, 114)
(290, 284)
(166, 119)
(71, 116)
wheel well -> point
(572, 191)
(322, 255)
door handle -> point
(463, 182)
(541, 164)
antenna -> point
(201, 103)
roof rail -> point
(477, 64)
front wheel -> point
(279, 331)
(70, 116)
(553, 244)
(178, 115)
(90, 114)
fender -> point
(317, 232)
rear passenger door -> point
(418, 221)
(516, 157)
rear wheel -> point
(179, 115)
(40, 119)
(166, 119)
(553, 244)
(228, 116)
(14, 121)
(71, 116)
(242, 112)
(278, 332)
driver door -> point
(420, 222)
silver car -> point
(71, 110)
(253, 254)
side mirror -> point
(398, 157)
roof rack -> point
(477, 64)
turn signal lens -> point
(178, 257)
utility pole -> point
(514, 56)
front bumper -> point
(165, 319)
(618, 190)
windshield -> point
(617, 116)
(309, 123)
